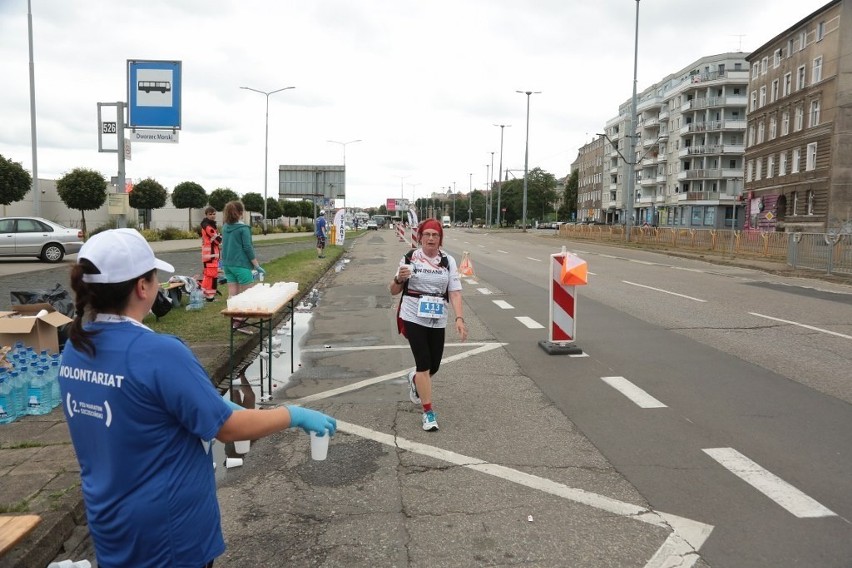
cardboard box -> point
(21, 324)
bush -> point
(175, 234)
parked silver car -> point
(34, 236)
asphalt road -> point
(737, 383)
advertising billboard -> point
(396, 204)
(312, 182)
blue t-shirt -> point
(320, 232)
(141, 415)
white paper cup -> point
(233, 462)
(242, 447)
(319, 446)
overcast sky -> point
(421, 83)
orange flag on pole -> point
(574, 271)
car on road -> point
(37, 237)
(372, 225)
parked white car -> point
(34, 236)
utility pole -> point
(500, 173)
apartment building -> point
(688, 157)
(590, 178)
(798, 174)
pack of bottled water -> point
(196, 300)
(30, 384)
(267, 298)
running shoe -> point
(412, 390)
(430, 424)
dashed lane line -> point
(503, 304)
(664, 291)
(529, 322)
(637, 395)
(844, 336)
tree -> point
(82, 189)
(273, 210)
(253, 202)
(15, 181)
(307, 209)
(290, 208)
(219, 197)
(148, 194)
(189, 195)
(569, 206)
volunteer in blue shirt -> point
(142, 413)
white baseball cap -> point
(120, 255)
(322, 211)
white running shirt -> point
(429, 278)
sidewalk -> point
(39, 472)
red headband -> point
(431, 224)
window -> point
(770, 166)
(758, 169)
(709, 216)
(751, 136)
(788, 82)
(794, 166)
(785, 123)
(820, 31)
(810, 157)
(773, 95)
(764, 65)
(782, 163)
(776, 58)
(800, 78)
(816, 71)
(789, 47)
(814, 117)
(803, 40)
(755, 71)
(800, 114)
(810, 202)
(750, 170)
(754, 100)
(762, 96)
(773, 127)
(760, 130)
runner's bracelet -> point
(460, 318)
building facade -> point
(590, 179)
(798, 174)
(689, 146)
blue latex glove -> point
(312, 421)
(261, 270)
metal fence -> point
(825, 252)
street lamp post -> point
(631, 176)
(491, 192)
(500, 173)
(345, 187)
(266, 145)
(527, 157)
(469, 199)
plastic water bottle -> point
(36, 401)
(18, 393)
(55, 392)
(7, 411)
(196, 300)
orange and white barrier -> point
(567, 271)
(400, 232)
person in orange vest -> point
(211, 244)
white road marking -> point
(484, 291)
(471, 281)
(592, 273)
(642, 262)
(529, 322)
(664, 291)
(609, 256)
(679, 549)
(481, 246)
(638, 396)
(380, 347)
(769, 484)
(844, 336)
(503, 304)
(687, 269)
(535, 259)
(483, 348)
(503, 251)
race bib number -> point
(430, 307)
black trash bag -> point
(162, 305)
(58, 297)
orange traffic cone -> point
(466, 266)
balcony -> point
(713, 125)
(712, 173)
(711, 149)
(713, 196)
